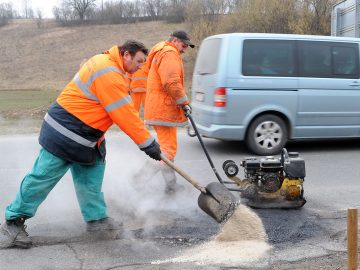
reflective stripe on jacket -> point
(67, 137)
(96, 98)
(139, 80)
(165, 87)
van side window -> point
(345, 61)
(315, 59)
(328, 60)
(208, 57)
(269, 58)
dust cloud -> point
(240, 241)
(143, 206)
(140, 202)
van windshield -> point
(208, 57)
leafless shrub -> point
(39, 18)
(63, 14)
(209, 17)
(262, 16)
(201, 22)
(81, 7)
(6, 13)
(28, 12)
(72, 12)
(314, 17)
(154, 9)
(176, 11)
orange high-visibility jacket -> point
(138, 80)
(165, 87)
(97, 97)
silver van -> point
(266, 89)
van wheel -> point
(266, 135)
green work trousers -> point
(46, 173)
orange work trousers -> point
(167, 138)
(138, 98)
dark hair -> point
(133, 46)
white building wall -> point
(345, 19)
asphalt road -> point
(158, 228)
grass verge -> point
(22, 110)
(25, 103)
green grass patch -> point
(25, 103)
(25, 100)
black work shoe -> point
(105, 224)
(15, 233)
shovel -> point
(215, 199)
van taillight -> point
(220, 97)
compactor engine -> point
(270, 182)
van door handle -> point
(355, 83)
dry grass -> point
(47, 58)
(37, 63)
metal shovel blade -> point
(218, 202)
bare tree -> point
(27, 9)
(6, 13)
(176, 10)
(81, 7)
(114, 12)
(198, 21)
(154, 8)
(215, 7)
(314, 16)
(39, 18)
(63, 14)
(138, 10)
(264, 16)
(129, 12)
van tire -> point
(271, 127)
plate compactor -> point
(269, 182)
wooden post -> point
(352, 237)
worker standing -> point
(72, 137)
(138, 87)
(166, 101)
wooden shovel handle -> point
(183, 174)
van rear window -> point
(207, 60)
(269, 58)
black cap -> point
(183, 36)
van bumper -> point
(223, 132)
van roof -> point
(284, 36)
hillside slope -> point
(47, 58)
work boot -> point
(171, 186)
(104, 224)
(14, 231)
